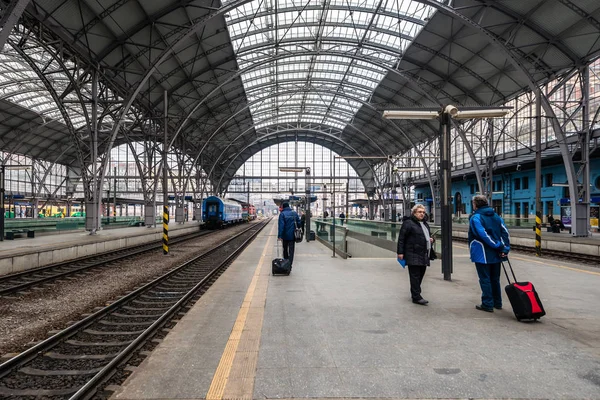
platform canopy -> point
(242, 75)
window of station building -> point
(498, 187)
(419, 196)
(472, 189)
(517, 183)
(548, 180)
(597, 182)
(525, 182)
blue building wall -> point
(516, 192)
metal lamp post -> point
(445, 115)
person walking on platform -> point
(302, 222)
(288, 220)
(342, 217)
(489, 244)
(414, 246)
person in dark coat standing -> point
(288, 220)
(414, 246)
(342, 217)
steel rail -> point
(112, 256)
(101, 376)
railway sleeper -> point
(4, 391)
(114, 323)
(60, 356)
(113, 333)
(107, 344)
(115, 314)
(42, 372)
(144, 308)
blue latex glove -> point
(402, 262)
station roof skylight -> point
(317, 61)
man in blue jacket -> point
(489, 244)
(288, 220)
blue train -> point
(217, 212)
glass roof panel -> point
(310, 61)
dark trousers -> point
(416, 273)
(489, 280)
(288, 250)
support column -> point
(10, 16)
(307, 217)
(445, 192)
(92, 208)
(2, 191)
(333, 208)
(538, 174)
(165, 240)
(582, 224)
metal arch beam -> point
(257, 141)
(365, 171)
(569, 167)
(447, 79)
(593, 21)
(137, 29)
(536, 28)
(323, 80)
(56, 99)
(428, 172)
(332, 24)
(251, 129)
(10, 16)
(182, 82)
(284, 56)
(310, 41)
(364, 103)
(332, 7)
(188, 32)
(452, 61)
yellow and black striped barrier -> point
(165, 240)
(538, 234)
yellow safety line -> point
(545, 263)
(217, 387)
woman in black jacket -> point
(414, 246)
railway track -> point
(11, 284)
(549, 253)
(75, 362)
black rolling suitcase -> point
(280, 266)
(523, 298)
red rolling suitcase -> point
(523, 298)
(280, 266)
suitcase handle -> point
(511, 271)
(277, 246)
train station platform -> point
(26, 253)
(340, 328)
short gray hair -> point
(416, 207)
(480, 201)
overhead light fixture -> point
(410, 114)
(292, 169)
(481, 113)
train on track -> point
(217, 213)
(248, 212)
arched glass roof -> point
(298, 83)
